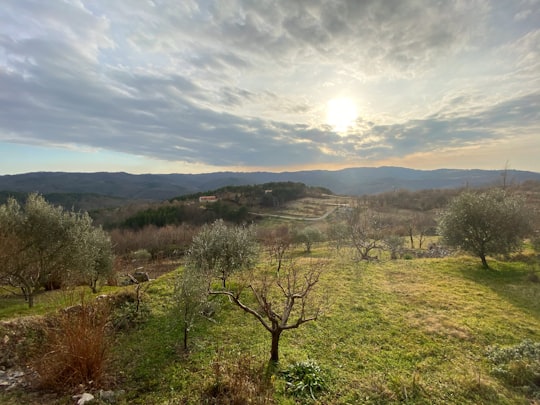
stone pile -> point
(11, 378)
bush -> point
(304, 379)
(518, 365)
(75, 352)
(129, 309)
(141, 255)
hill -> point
(404, 331)
(352, 181)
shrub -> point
(304, 379)
(129, 309)
(76, 348)
(518, 365)
(141, 255)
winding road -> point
(296, 218)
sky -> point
(168, 86)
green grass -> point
(404, 331)
(14, 306)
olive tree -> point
(394, 244)
(190, 296)
(486, 223)
(43, 245)
(93, 251)
(308, 236)
(219, 250)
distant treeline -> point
(69, 201)
(266, 194)
(424, 200)
(180, 213)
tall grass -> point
(76, 347)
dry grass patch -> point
(438, 324)
(76, 348)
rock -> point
(111, 397)
(107, 396)
(84, 398)
(10, 378)
(141, 276)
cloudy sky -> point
(168, 86)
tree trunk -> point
(274, 351)
(484, 261)
(93, 286)
(30, 299)
(186, 331)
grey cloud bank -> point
(244, 84)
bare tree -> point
(337, 234)
(365, 230)
(277, 242)
(420, 224)
(285, 299)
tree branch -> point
(247, 309)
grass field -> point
(404, 331)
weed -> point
(238, 382)
(129, 315)
(518, 365)
(304, 379)
(130, 309)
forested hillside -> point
(353, 181)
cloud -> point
(245, 83)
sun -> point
(341, 114)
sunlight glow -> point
(341, 114)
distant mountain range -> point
(353, 181)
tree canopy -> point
(45, 246)
(220, 250)
(487, 223)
